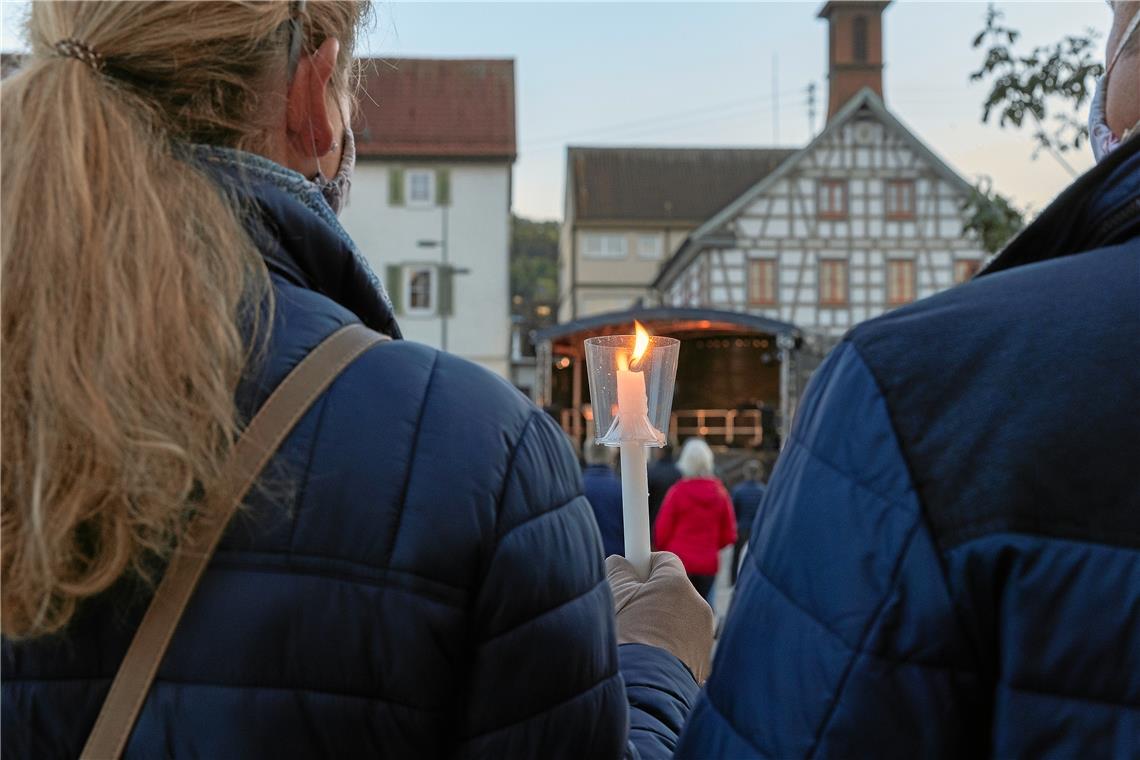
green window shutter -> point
(396, 287)
(446, 291)
(395, 187)
(442, 187)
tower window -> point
(860, 31)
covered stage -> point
(738, 381)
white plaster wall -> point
(478, 235)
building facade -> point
(431, 198)
(863, 219)
(628, 209)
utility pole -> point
(775, 99)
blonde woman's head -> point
(696, 460)
(130, 288)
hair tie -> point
(70, 47)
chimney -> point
(854, 49)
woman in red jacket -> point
(696, 519)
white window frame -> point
(655, 251)
(409, 182)
(604, 245)
(409, 273)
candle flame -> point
(640, 343)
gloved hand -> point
(663, 611)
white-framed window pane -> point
(649, 247)
(597, 245)
(421, 190)
(592, 245)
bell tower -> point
(854, 49)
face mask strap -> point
(1128, 32)
(296, 8)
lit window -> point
(900, 281)
(832, 199)
(421, 187)
(762, 283)
(965, 269)
(419, 289)
(601, 246)
(833, 282)
(649, 247)
(900, 199)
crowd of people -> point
(944, 561)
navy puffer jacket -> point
(947, 559)
(418, 576)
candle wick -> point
(635, 364)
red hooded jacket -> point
(695, 522)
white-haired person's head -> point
(697, 459)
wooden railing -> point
(720, 427)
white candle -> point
(632, 401)
(635, 506)
(633, 408)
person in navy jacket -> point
(418, 574)
(602, 488)
(948, 559)
(746, 497)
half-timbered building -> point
(863, 219)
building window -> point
(649, 247)
(833, 282)
(832, 199)
(900, 281)
(900, 199)
(596, 245)
(860, 42)
(419, 289)
(762, 283)
(965, 269)
(421, 187)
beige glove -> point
(665, 611)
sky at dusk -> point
(714, 74)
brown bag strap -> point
(285, 406)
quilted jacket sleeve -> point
(546, 679)
(842, 640)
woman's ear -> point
(309, 128)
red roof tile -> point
(436, 108)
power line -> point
(659, 128)
(702, 111)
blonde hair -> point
(696, 460)
(131, 291)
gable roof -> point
(663, 184)
(865, 99)
(436, 108)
